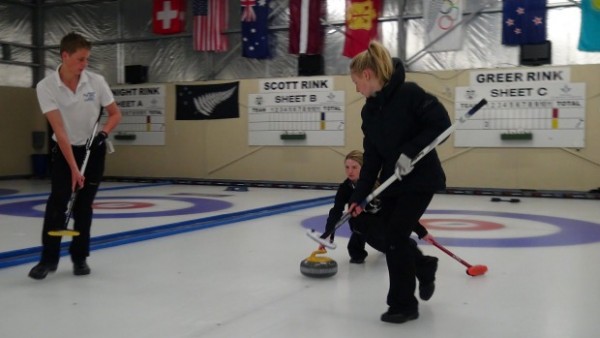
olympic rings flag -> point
(441, 18)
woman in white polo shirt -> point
(71, 99)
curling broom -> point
(472, 270)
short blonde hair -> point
(355, 155)
(377, 58)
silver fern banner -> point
(207, 102)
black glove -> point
(99, 140)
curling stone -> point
(318, 266)
(512, 200)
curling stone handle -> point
(318, 252)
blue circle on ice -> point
(198, 205)
(4, 192)
(571, 231)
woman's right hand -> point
(428, 238)
(77, 180)
(355, 209)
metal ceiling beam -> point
(37, 39)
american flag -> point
(210, 21)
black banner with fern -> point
(207, 102)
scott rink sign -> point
(303, 111)
(316, 83)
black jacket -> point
(401, 119)
(342, 197)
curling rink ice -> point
(172, 260)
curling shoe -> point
(357, 260)
(41, 270)
(398, 317)
(427, 280)
(81, 268)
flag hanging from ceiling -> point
(589, 38)
(210, 23)
(306, 32)
(255, 29)
(207, 102)
(361, 25)
(523, 22)
(168, 16)
(441, 23)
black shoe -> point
(427, 281)
(398, 317)
(81, 269)
(40, 271)
(426, 290)
(357, 260)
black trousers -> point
(366, 229)
(400, 213)
(60, 193)
(370, 229)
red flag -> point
(210, 23)
(168, 16)
(361, 25)
(306, 33)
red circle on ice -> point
(122, 205)
(459, 224)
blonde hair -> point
(376, 58)
(355, 155)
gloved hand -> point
(403, 166)
(428, 238)
(99, 140)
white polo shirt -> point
(79, 110)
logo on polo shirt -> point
(89, 96)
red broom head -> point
(477, 270)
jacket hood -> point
(398, 76)
(396, 81)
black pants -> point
(60, 194)
(366, 229)
(400, 213)
(370, 229)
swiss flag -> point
(168, 16)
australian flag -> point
(207, 102)
(523, 22)
(255, 29)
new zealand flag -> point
(207, 102)
(255, 29)
(523, 22)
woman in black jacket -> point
(398, 120)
